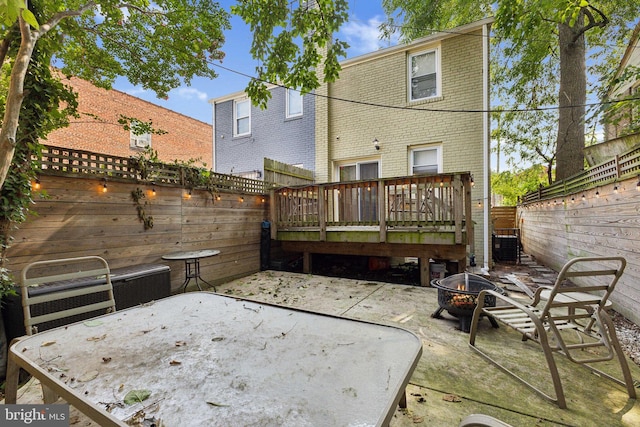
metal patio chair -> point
(65, 302)
(43, 273)
(557, 313)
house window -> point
(359, 170)
(242, 118)
(294, 103)
(139, 141)
(426, 160)
(358, 204)
(423, 75)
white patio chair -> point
(57, 270)
(44, 273)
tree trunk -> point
(15, 95)
(4, 359)
(572, 99)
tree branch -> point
(55, 19)
(593, 22)
(6, 43)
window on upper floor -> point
(139, 141)
(424, 75)
(426, 160)
(294, 103)
(242, 117)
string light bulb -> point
(36, 184)
(638, 184)
(615, 189)
(597, 194)
(104, 185)
(472, 181)
(153, 188)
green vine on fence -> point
(198, 178)
(143, 162)
(147, 220)
(191, 176)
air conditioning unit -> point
(141, 141)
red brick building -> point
(97, 129)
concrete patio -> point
(450, 381)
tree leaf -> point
(30, 18)
(136, 396)
(92, 323)
(88, 376)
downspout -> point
(213, 142)
(486, 143)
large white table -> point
(209, 359)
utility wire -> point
(437, 110)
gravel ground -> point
(629, 336)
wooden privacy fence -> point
(279, 173)
(432, 201)
(78, 217)
(65, 161)
(504, 217)
(623, 166)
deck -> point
(411, 216)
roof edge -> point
(442, 35)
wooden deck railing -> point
(431, 203)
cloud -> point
(364, 37)
(136, 91)
(191, 93)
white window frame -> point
(288, 94)
(357, 164)
(437, 148)
(236, 118)
(438, 72)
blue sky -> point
(361, 32)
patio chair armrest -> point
(525, 308)
(537, 297)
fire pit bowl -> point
(458, 294)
